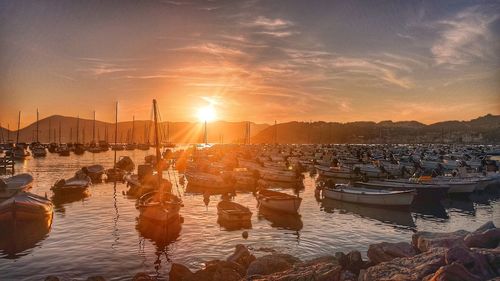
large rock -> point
(218, 271)
(179, 272)
(241, 256)
(408, 269)
(354, 262)
(486, 226)
(52, 278)
(271, 263)
(492, 256)
(384, 251)
(424, 240)
(475, 263)
(486, 239)
(322, 269)
(454, 271)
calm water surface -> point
(101, 234)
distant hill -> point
(485, 129)
(179, 132)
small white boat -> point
(382, 197)
(279, 201)
(77, 184)
(11, 186)
(231, 211)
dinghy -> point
(95, 172)
(25, 206)
(381, 197)
(11, 186)
(231, 211)
(279, 201)
(75, 185)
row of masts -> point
(130, 133)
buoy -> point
(245, 234)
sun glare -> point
(206, 114)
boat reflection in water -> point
(461, 205)
(18, 238)
(432, 212)
(60, 200)
(161, 235)
(281, 220)
(391, 216)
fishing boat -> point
(206, 180)
(232, 211)
(63, 150)
(22, 237)
(115, 174)
(427, 191)
(367, 196)
(15, 184)
(77, 184)
(125, 163)
(279, 201)
(25, 206)
(95, 172)
(39, 150)
(19, 153)
(159, 205)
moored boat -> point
(15, 184)
(279, 201)
(232, 211)
(25, 206)
(77, 184)
(367, 196)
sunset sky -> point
(251, 60)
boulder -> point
(486, 226)
(241, 256)
(142, 276)
(271, 263)
(96, 278)
(492, 256)
(179, 272)
(474, 263)
(454, 271)
(485, 239)
(52, 278)
(423, 240)
(384, 251)
(408, 268)
(354, 262)
(317, 270)
(218, 271)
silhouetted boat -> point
(75, 185)
(95, 172)
(15, 184)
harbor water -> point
(101, 234)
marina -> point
(131, 240)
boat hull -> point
(399, 199)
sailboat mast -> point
(116, 132)
(93, 130)
(77, 127)
(18, 127)
(133, 128)
(59, 132)
(157, 146)
(37, 125)
(50, 130)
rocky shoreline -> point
(430, 256)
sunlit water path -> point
(101, 235)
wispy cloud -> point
(465, 37)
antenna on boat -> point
(18, 125)
(37, 125)
(116, 132)
(157, 146)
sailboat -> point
(160, 205)
(115, 174)
(19, 152)
(37, 148)
(131, 141)
(79, 148)
(94, 148)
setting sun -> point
(206, 114)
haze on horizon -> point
(252, 60)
